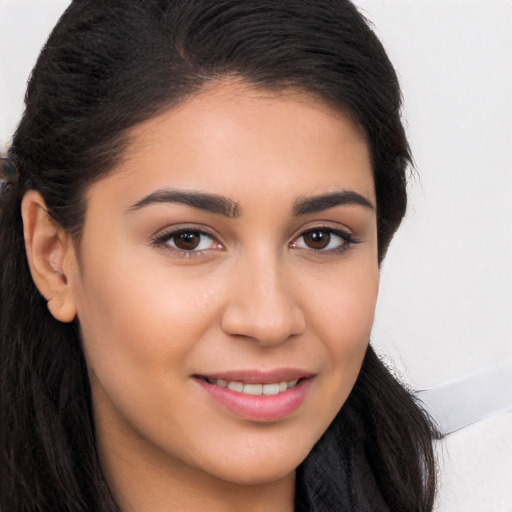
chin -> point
(249, 476)
(260, 468)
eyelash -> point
(347, 239)
(162, 240)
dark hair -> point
(109, 65)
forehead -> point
(231, 134)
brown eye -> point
(325, 240)
(187, 240)
(317, 238)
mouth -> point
(258, 396)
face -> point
(227, 283)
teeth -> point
(255, 389)
(236, 386)
(270, 389)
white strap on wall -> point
(461, 402)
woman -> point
(190, 265)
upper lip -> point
(253, 376)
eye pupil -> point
(187, 240)
(317, 238)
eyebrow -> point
(209, 202)
(325, 201)
(229, 208)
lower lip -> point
(259, 407)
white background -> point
(445, 307)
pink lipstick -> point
(256, 395)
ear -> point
(51, 256)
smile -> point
(258, 397)
(273, 388)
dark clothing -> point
(336, 477)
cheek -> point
(342, 318)
(343, 302)
(133, 322)
(139, 336)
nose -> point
(262, 304)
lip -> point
(263, 408)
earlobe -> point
(62, 308)
(50, 255)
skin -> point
(255, 294)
